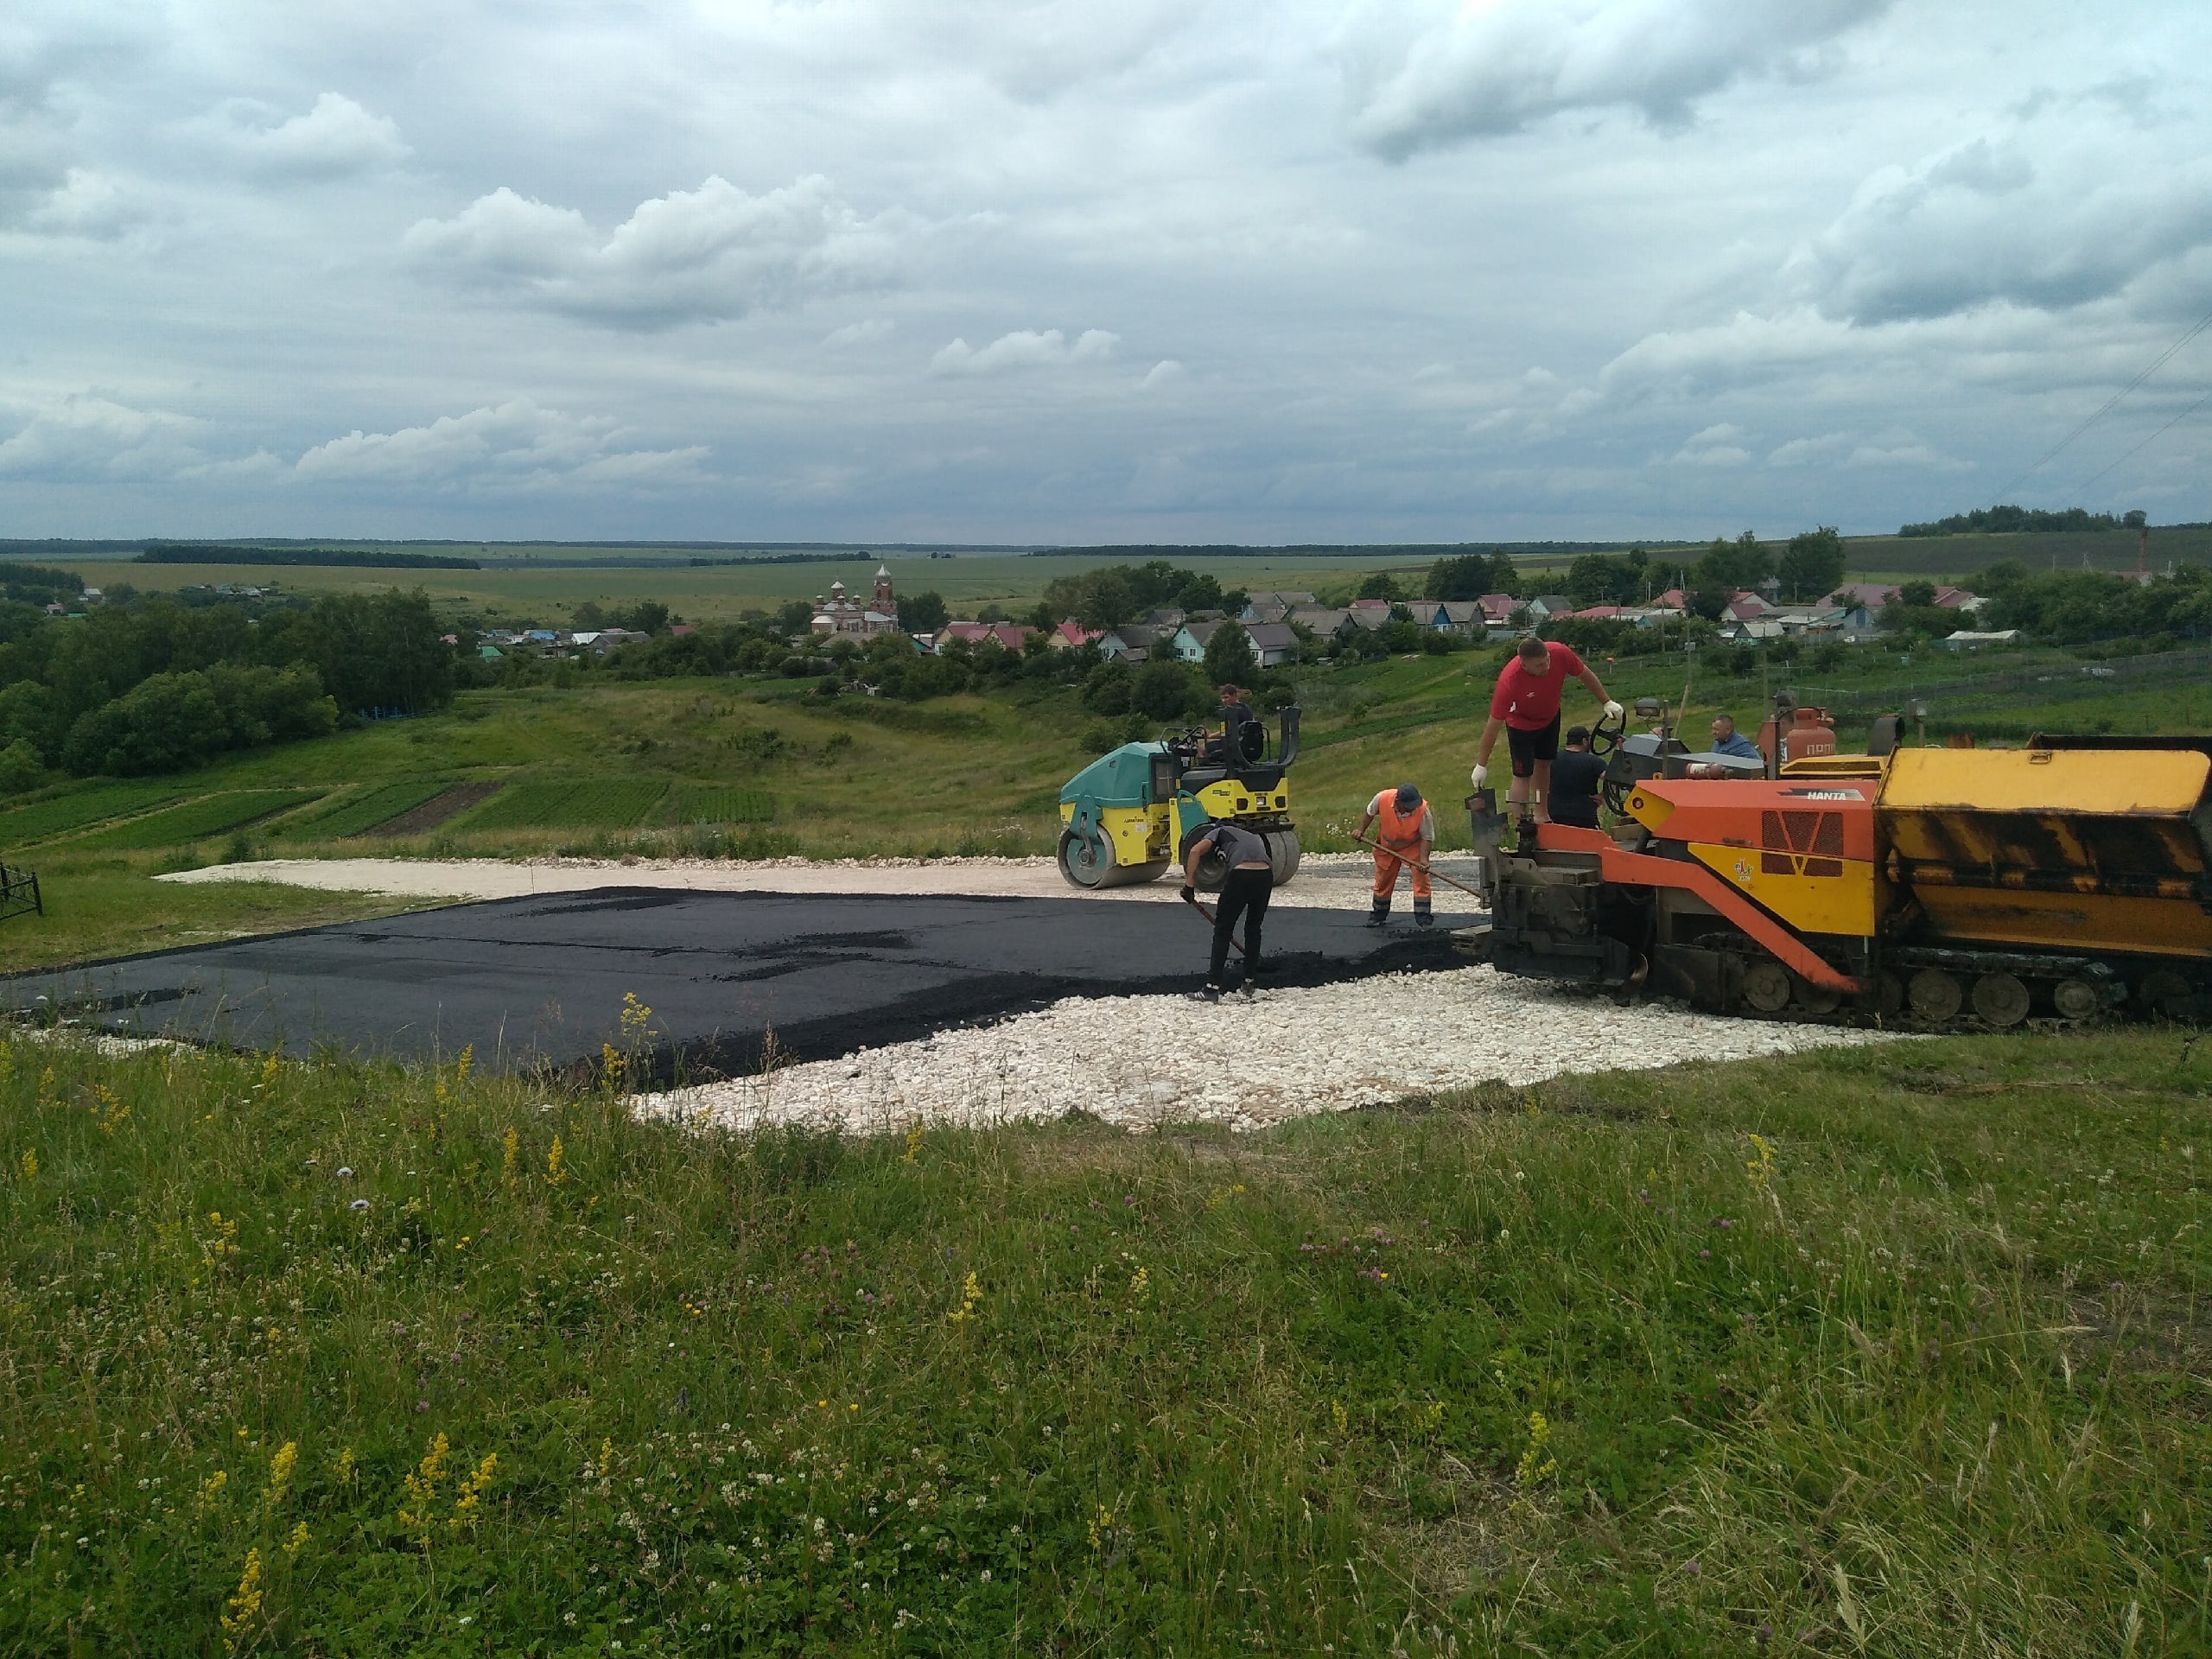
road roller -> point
(1122, 817)
(1936, 889)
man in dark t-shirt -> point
(1576, 774)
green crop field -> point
(566, 803)
(705, 804)
(76, 807)
(211, 815)
(361, 810)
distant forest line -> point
(349, 558)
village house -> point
(1272, 642)
(1013, 636)
(1319, 620)
(1133, 643)
(1071, 635)
(1273, 607)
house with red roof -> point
(1011, 635)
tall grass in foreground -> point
(1883, 1351)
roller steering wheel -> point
(1604, 738)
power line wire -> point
(2202, 323)
(2083, 490)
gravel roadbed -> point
(1143, 1061)
(1324, 880)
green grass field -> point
(1894, 1350)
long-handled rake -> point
(1415, 863)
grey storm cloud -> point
(1486, 69)
(708, 255)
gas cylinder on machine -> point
(1809, 736)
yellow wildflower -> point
(970, 1294)
(422, 1487)
(556, 1169)
(245, 1604)
(472, 1489)
(281, 1463)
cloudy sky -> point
(1160, 269)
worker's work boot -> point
(1380, 916)
(1423, 916)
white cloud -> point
(333, 139)
(709, 255)
(1165, 373)
(1501, 65)
(2057, 213)
(1716, 446)
(1809, 452)
(86, 204)
(1903, 449)
(516, 446)
(1025, 348)
(87, 435)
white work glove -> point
(1613, 710)
(1479, 776)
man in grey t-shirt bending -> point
(1251, 879)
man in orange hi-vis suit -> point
(1406, 830)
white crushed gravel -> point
(1143, 1061)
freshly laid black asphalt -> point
(541, 980)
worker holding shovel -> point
(1406, 832)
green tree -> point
(1458, 576)
(1811, 566)
(923, 612)
(1231, 659)
(21, 768)
(1741, 563)
(1166, 689)
(795, 618)
(1379, 584)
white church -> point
(839, 617)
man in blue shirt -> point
(1727, 740)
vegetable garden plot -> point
(211, 815)
(706, 803)
(548, 803)
(45, 819)
(357, 815)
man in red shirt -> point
(1525, 707)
